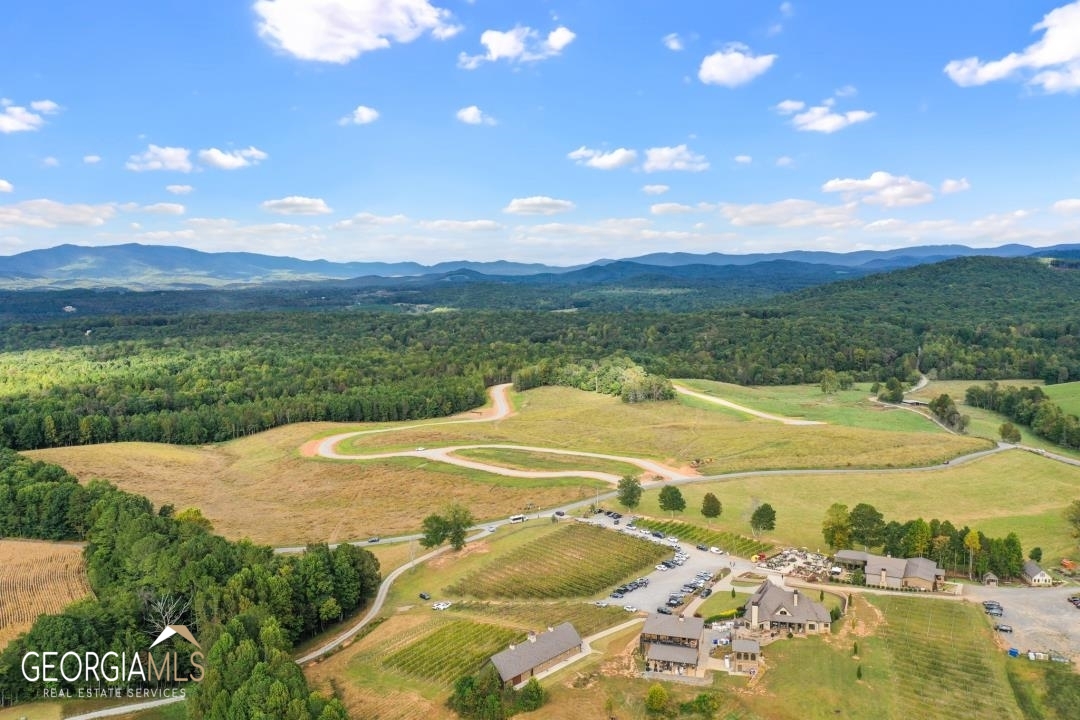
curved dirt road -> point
(742, 408)
(501, 409)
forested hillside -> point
(195, 378)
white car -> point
(491, 528)
(600, 603)
(716, 550)
(662, 568)
(629, 608)
(441, 605)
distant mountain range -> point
(146, 267)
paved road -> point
(742, 408)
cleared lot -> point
(1042, 619)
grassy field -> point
(526, 460)
(37, 578)
(1010, 491)
(259, 487)
(576, 561)
(852, 407)
(584, 616)
(1067, 395)
(920, 658)
(678, 434)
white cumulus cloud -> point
(473, 115)
(369, 219)
(743, 159)
(791, 213)
(16, 118)
(461, 225)
(339, 31)
(44, 213)
(672, 42)
(1067, 206)
(950, 186)
(179, 189)
(91, 159)
(821, 118)
(164, 208)
(50, 162)
(670, 208)
(232, 159)
(679, 157)
(733, 66)
(620, 157)
(362, 115)
(297, 205)
(6, 186)
(882, 188)
(655, 189)
(519, 44)
(1051, 63)
(785, 161)
(161, 158)
(538, 205)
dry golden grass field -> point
(37, 578)
(260, 487)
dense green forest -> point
(1030, 407)
(246, 604)
(210, 376)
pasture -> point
(920, 658)
(678, 434)
(1008, 491)
(528, 460)
(259, 487)
(1067, 395)
(576, 561)
(37, 578)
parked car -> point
(559, 513)
(629, 608)
(716, 550)
(491, 528)
(662, 568)
(441, 605)
(1003, 628)
(995, 612)
(425, 596)
(663, 610)
(373, 539)
(601, 603)
(706, 592)
(703, 548)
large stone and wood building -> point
(672, 644)
(747, 654)
(892, 573)
(772, 608)
(540, 652)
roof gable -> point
(523, 657)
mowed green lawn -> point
(926, 659)
(852, 408)
(677, 434)
(1006, 492)
(1067, 395)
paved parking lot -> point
(1042, 619)
(662, 584)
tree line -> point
(1031, 407)
(618, 375)
(247, 605)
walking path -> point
(742, 408)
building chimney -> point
(795, 597)
(754, 613)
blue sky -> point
(552, 131)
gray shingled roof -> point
(851, 556)
(1031, 568)
(894, 567)
(688, 628)
(772, 599)
(745, 645)
(673, 653)
(523, 657)
(922, 568)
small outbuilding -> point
(747, 654)
(989, 579)
(1035, 575)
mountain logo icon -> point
(180, 630)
